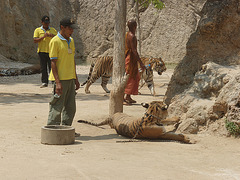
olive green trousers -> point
(62, 109)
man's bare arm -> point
(77, 84)
(55, 74)
(37, 40)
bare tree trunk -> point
(138, 29)
(117, 92)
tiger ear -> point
(146, 105)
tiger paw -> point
(187, 140)
(87, 91)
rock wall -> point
(216, 39)
(18, 20)
(164, 33)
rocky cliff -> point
(164, 33)
(216, 39)
(204, 89)
(18, 20)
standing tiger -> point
(150, 126)
(103, 67)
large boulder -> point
(213, 97)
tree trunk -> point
(138, 29)
(132, 2)
(118, 80)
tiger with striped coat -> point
(150, 126)
(103, 68)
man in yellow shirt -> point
(42, 36)
(63, 72)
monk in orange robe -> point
(131, 63)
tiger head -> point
(158, 65)
(156, 111)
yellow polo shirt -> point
(64, 51)
(43, 46)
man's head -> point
(132, 25)
(68, 22)
(67, 25)
(45, 21)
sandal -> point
(127, 103)
(130, 101)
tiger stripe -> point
(150, 126)
(103, 67)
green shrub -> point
(232, 128)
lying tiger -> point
(103, 67)
(150, 126)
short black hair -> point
(46, 19)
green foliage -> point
(156, 3)
(232, 128)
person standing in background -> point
(42, 35)
(131, 63)
(63, 72)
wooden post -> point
(139, 47)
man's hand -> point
(58, 88)
(49, 34)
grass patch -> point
(232, 128)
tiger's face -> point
(159, 65)
(157, 109)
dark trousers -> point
(45, 63)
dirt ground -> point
(96, 155)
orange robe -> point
(131, 68)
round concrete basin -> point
(57, 135)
